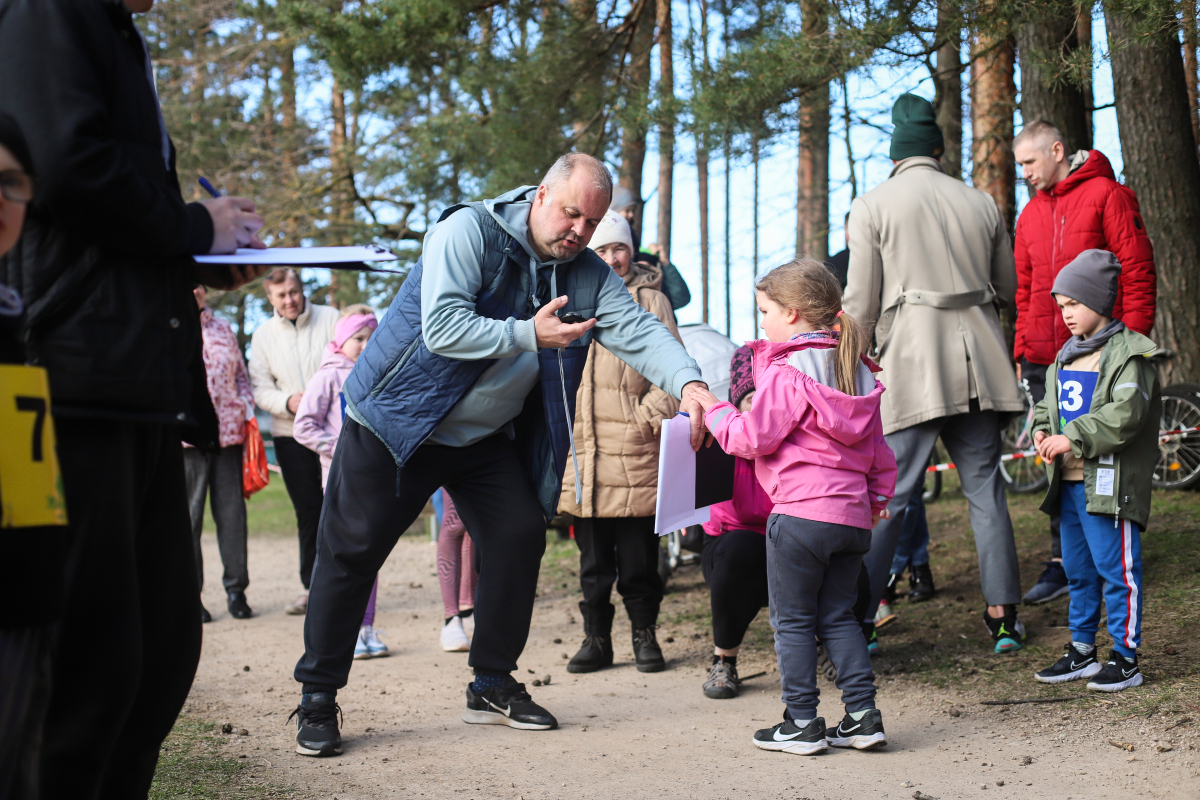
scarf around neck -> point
(1076, 347)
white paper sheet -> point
(300, 256)
(677, 478)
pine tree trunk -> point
(1189, 65)
(754, 297)
(633, 131)
(1043, 44)
(947, 81)
(1161, 167)
(339, 170)
(993, 101)
(287, 87)
(812, 174)
(666, 126)
(1083, 31)
(702, 173)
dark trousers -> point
(117, 683)
(219, 475)
(735, 569)
(24, 693)
(1035, 374)
(624, 551)
(301, 470)
(368, 506)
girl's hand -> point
(704, 397)
(878, 515)
(1051, 447)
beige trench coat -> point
(618, 414)
(930, 258)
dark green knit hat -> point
(915, 131)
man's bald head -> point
(1041, 152)
(569, 204)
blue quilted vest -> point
(401, 391)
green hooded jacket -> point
(1119, 434)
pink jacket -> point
(319, 418)
(228, 383)
(819, 453)
(749, 508)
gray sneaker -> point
(722, 683)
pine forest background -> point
(748, 127)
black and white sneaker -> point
(1118, 674)
(788, 737)
(317, 725)
(507, 705)
(1071, 667)
(861, 734)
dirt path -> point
(624, 734)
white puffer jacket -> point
(284, 356)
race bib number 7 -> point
(31, 491)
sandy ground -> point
(623, 734)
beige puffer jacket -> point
(618, 414)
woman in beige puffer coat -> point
(618, 414)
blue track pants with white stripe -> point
(1103, 559)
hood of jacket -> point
(847, 419)
(332, 359)
(643, 276)
(511, 212)
(1096, 166)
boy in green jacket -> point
(1100, 450)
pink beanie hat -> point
(348, 326)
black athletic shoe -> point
(646, 651)
(204, 615)
(1051, 584)
(920, 583)
(507, 705)
(317, 725)
(596, 653)
(1118, 674)
(1071, 667)
(788, 737)
(238, 607)
(863, 734)
(1007, 632)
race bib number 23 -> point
(31, 491)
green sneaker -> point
(1007, 632)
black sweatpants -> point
(126, 650)
(368, 506)
(624, 551)
(1035, 374)
(735, 569)
(301, 470)
(24, 693)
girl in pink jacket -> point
(319, 423)
(816, 437)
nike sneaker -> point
(1007, 632)
(1118, 674)
(1071, 667)
(788, 737)
(861, 734)
(317, 725)
(508, 704)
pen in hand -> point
(208, 187)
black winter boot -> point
(596, 653)
(889, 591)
(920, 582)
(646, 651)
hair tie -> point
(840, 312)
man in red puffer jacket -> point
(1079, 206)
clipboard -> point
(346, 258)
(689, 483)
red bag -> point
(255, 475)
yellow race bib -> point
(31, 492)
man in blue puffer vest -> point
(470, 383)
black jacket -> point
(104, 264)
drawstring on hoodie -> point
(562, 382)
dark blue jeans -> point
(912, 548)
(812, 576)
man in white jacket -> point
(285, 351)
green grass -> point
(192, 766)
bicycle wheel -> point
(1026, 474)
(1179, 453)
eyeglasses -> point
(16, 186)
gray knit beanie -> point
(1090, 279)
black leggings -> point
(735, 569)
(301, 469)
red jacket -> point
(1086, 210)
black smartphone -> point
(571, 318)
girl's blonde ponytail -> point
(852, 343)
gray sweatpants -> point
(974, 443)
(812, 578)
(219, 475)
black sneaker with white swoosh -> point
(788, 737)
(1071, 667)
(1118, 674)
(861, 734)
(509, 705)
